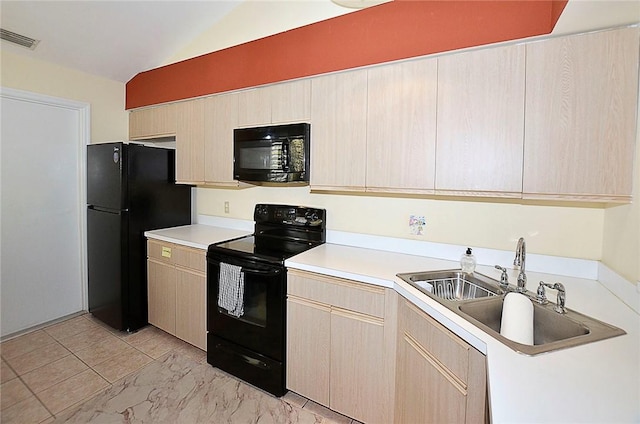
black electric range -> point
(246, 282)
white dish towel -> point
(231, 289)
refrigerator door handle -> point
(101, 209)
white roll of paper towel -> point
(517, 318)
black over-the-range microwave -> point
(273, 154)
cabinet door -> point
(480, 132)
(161, 295)
(254, 107)
(424, 394)
(440, 378)
(308, 348)
(152, 122)
(339, 128)
(221, 114)
(291, 102)
(401, 127)
(190, 142)
(581, 116)
(191, 304)
(357, 353)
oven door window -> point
(254, 299)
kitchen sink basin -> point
(479, 299)
(551, 330)
(453, 285)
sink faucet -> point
(562, 296)
(519, 260)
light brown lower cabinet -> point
(176, 291)
(439, 378)
(340, 345)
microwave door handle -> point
(284, 158)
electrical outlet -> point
(226, 207)
(417, 225)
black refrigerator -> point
(130, 189)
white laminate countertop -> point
(197, 236)
(596, 382)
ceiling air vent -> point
(18, 39)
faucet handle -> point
(504, 278)
(541, 296)
(562, 296)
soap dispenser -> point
(468, 262)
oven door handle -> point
(274, 271)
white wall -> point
(621, 233)
(109, 119)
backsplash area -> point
(570, 232)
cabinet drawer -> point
(451, 351)
(187, 257)
(161, 251)
(347, 294)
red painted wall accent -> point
(390, 31)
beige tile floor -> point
(56, 369)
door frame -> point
(84, 137)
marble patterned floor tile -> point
(12, 392)
(24, 344)
(71, 391)
(37, 358)
(140, 335)
(85, 339)
(70, 327)
(180, 390)
(156, 346)
(295, 399)
(103, 350)
(327, 413)
(6, 373)
(48, 375)
(113, 369)
(189, 351)
(28, 411)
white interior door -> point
(42, 259)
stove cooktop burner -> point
(280, 232)
(272, 249)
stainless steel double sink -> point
(478, 299)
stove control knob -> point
(262, 211)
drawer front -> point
(161, 251)
(346, 294)
(447, 348)
(188, 257)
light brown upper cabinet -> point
(152, 122)
(286, 102)
(401, 127)
(339, 131)
(480, 128)
(581, 116)
(190, 163)
(221, 114)
(291, 102)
